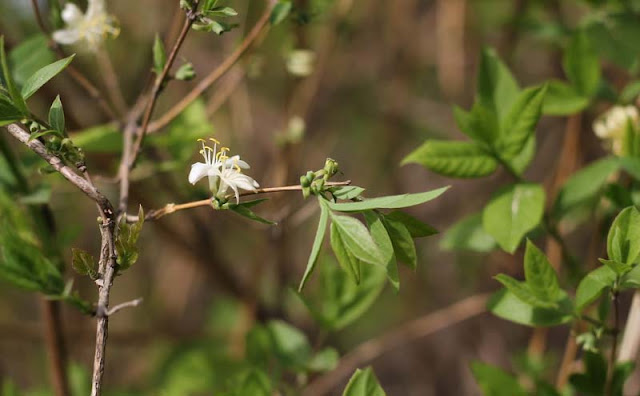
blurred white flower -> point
(612, 125)
(92, 27)
(301, 62)
(223, 172)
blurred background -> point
(364, 82)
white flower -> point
(93, 26)
(235, 179)
(612, 125)
(223, 172)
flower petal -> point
(71, 14)
(66, 36)
(235, 160)
(95, 9)
(198, 171)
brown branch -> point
(171, 208)
(120, 307)
(631, 341)
(419, 328)
(212, 77)
(158, 85)
(111, 82)
(74, 73)
(107, 264)
(18, 132)
(56, 351)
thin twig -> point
(128, 304)
(56, 350)
(74, 73)
(157, 87)
(172, 208)
(111, 82)
(608, 389)
(419, 328)
(212, 77)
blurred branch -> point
(203, 85)
(172, 208)
(75, 74)
(111, 82)
(450, 27)
(414, 330)
(56, 350)
(631, 341)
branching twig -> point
(171, 208)
(422, 327)
(203, 85)
(128, 304)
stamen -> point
(214, 140)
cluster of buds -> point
(618, 126)
(313, 183)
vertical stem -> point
(111, 82)
(614, 343)
(55, 346)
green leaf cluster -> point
(127, 241)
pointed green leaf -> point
(520, 122)
(83, 263)
(16, 98)
(523, 292)
(592, 286)
(581, 64)
(317, 244)
(540, 275)
(453, 158)
(403, 245)
(348, 192)
(363, 383)
(416, 228)
(42, 76)
(513, 212)
(382, 239)
(562, 99)
(159, 55)
(243, 210)
(509, 307)
(358, 240)
(280, 12)
(495, 382)
(347, 261)
(497, 88)
(8, 112)
(56, 115)
(390, 202)
(623, 241)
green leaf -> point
(403, 244)
(348, 192)
(520, 122)
(382, 239)
(56, 115)
(497, 89)
(453, 159)
(358, 240)
(9, 113)
(623, 240)
(126, 242)
(363, 383)
(317, 243)
(83, 263)
(390, 202)
(340, 301)
(468, 234)
(16, 98)
(506, 305)
(42, 76)
(29, 56)
(631, 280)
(521, 162)
(523, 292)
(347, 261)
(416, 228)
(592, 286)
(280, 12)
(616, 266)
(495, 382)
(243, 210)
(613, 36)
(592, 381)
(513, 212)
(159, 55)
(562, 99)
(585, 185)
(581, 64)
(291, 346)
(325, 360)
(630, 92)
(540, 275)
